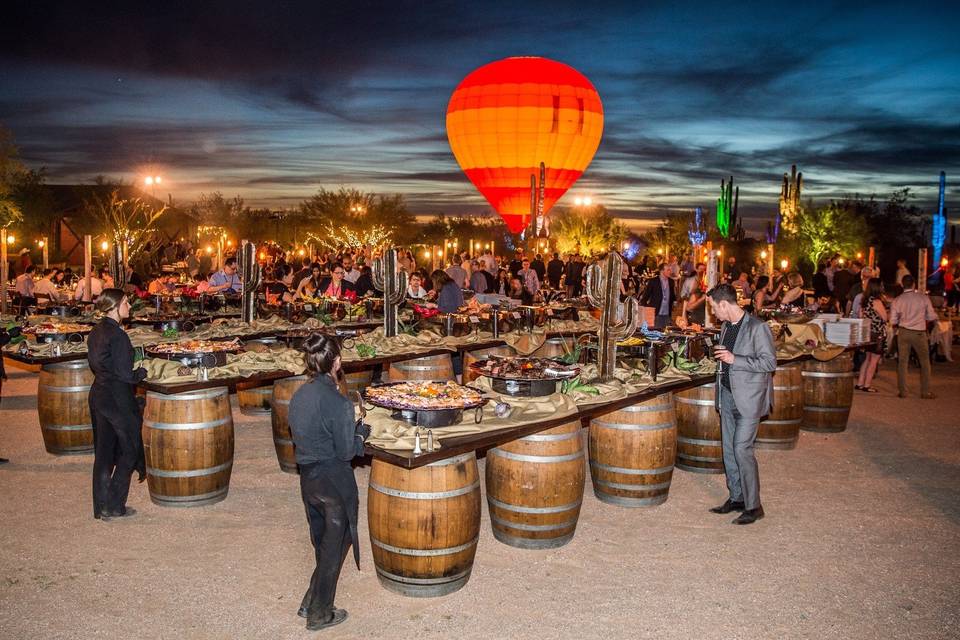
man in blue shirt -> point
(226, 280)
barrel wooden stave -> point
(283, 391)
(632, 453)
(438, 367)
(781, 429)
(699, 448)
(424, 525)
(827, 394)
(535, 488)
(254, 400)
(63, 405)
(188, 442)
(480, 355)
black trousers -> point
(114, 459)
(330, 534)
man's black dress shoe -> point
(749, 516)
(728, 507)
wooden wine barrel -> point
(827, 393)
(632, 453)
(698, 431)
(357, 381)
(476, 356)
(283, 390)
(63, 402)
(781, 429)
(554, 348)
(253, 400)
(439, 367)
(535, 488)
(424, 524)
(188, 441)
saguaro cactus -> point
(389, 278)
(790, 199)
(939, 230)
(250, 279)
(727, 206)
(118, 265)
(618, 320)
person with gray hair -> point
(744, 395)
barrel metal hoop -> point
(191, 473)
(277, 440)
(633, 487)
(424, 581)
(425, 495)
(403, 551)
(464, 457)
(73, 364)
(188, 426)
(551, 437)
(533, 527)
(417, 367)
(795, 421)
(630, 472)
(698, 458)
(660, 426)
(519, 457)
(827, 409)
(773, 440)
(55, 389)
(67, 427)
(283, 402)
(821, 374)
(202, 395)
(696, 401)
(196, 500)
(642, 408)
(795, 387)
(699, 442)
(518, 509)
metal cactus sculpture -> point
(618, 321)
(939, 231)
(389, 278)
(790, 199)
(250, 279)
(727, 206)
(118, 265)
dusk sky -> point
(273, 100)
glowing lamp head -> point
(587, 201)
(104, 245)
(859, 255)
(763, 254)
(148, 181)
(301, 252)
(11, 239)
(40, 243)
(784, 264)
(944, 262)
(209, 249)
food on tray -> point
(516, 368)
(632, 341)
(424, 395)
(196, 346)
(57, 327)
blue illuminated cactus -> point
(939, 223)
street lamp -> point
(763, 254)
(784, 264)
(11, 239)
(104, 246)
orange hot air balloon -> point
(508, 116)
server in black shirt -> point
(326, 439)
(117, 440)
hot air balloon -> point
(509, 116)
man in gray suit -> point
(747, 360)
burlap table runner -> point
(396, 435)
(238, 365)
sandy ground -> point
(861, 540)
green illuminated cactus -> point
(618, 321)
(727, 206)
(389, 278)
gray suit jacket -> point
(751, 375)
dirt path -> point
(861, 540)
